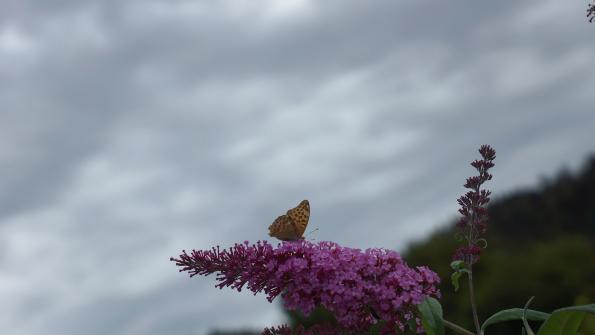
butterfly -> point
(291, 226)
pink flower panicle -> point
(350, 283)
(473, 224)
(234, 267)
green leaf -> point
(562, 323)
(457, 265)
(431, 316)
(525, 323)
(514, 314)
(454, 278)
(590, 308)
(460, 267)
(565, 321)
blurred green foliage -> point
(540, 243)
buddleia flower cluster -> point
(359, 287)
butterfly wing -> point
(284, 229)
(300, 216)
(291, 226)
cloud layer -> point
(132, 130)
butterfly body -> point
(292, 225)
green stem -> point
(456, 328)
(472, 300)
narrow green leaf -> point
(457, 265)
(582, 308)
(454, 278)
(525, 323)
(566, 321)
(514, 314)
(431, 316)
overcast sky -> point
(130, 130)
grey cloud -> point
(132, 130)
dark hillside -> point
(563, 205)
(541, 243)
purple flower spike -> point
(358, 287)
(473, 224)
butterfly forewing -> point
(300, 216)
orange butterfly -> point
(291, 226)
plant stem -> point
(456, 328)
(472, 300)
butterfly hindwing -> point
(283, 229)
(291, 226)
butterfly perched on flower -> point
(291, 226)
